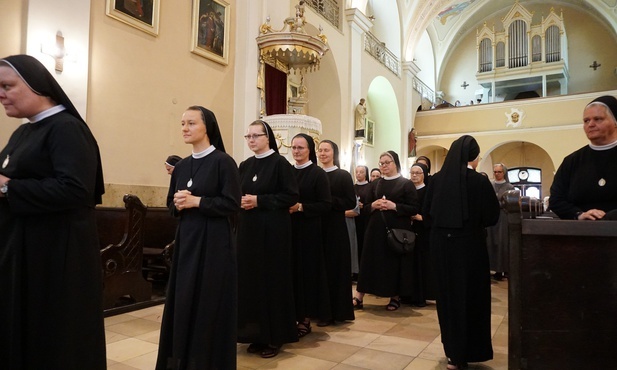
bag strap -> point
(384, 220)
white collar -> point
(264, 155)
(392, 177)
(303, 165)
(418, 187)
(203, 153)
(604, 147)
(47, 113)
(500, 182)
(362, 182)
(469, 166)
(330, 169)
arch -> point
(536, 48)
(383, 109)
(520, 154)
(325, 94)
(486, 55)
(387, 24)
(553, 44)
(425, 60)
(436, 154)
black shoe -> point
(256, 347)
(498, 276)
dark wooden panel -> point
(562, 294)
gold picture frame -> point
(370, 132)
(210, 31)
(143, 15)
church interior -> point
(515, 74)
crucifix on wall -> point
(595, 65)
(464, 85)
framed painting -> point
(141, 14)
(370, 132)
(210, 35)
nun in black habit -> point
(393, 200)
(51, 316)
(362, 188)
(199, 324)
(336, 238)
(310, 280)
(423, 272)
(459, 204)
(266, 317)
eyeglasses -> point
(253, 136)
(385, 163)
(298, 147)
(416, 173)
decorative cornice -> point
(356, 17)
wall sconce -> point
(56, 51)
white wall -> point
(72, 18)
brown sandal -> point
(393, 305)
(304, 328)
(270, 351)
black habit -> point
(460, 257)
(336, 244)
(384, 272)
(310, 279)
(265, 288)
(578, 186)
(424, 277)
(362, 192)
(200, 318)
(51, 286)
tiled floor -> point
(406, 339)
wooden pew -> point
(160, 232)
(562, 290)
(122, 261)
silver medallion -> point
(6, 162)
(255, 178)
(190, 183)
(602, 182)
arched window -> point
(536, 49)
(500, 55)
(553, 44)
(518, 44)
(486, 55)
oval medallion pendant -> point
(6, 162)
(255, 178)
(190, 183)
(602, 182)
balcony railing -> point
(425, 91)
(379, 51)
(328, 9)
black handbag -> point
(400, 241)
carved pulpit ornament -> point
(291, 47)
